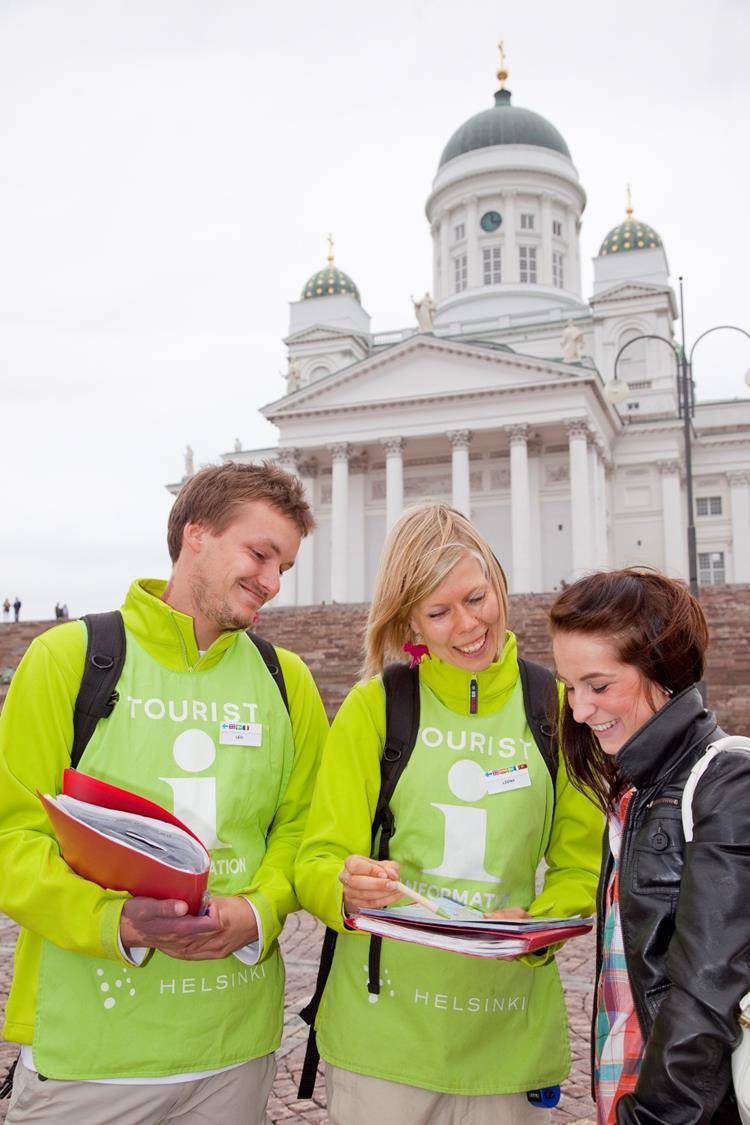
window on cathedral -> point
(557, 227)
(459, 232)
(527, 220)
(459, 265)
(631, 365)
(527, 264)
(492, 265)
(708, 505)
(557, 269)
(711, 568)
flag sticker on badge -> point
(509, 777)
(241, 734)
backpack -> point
(105, 656)
(401, 685)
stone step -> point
(329, 639)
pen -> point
(422, 900)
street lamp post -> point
(617, 391)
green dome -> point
(328, 282)
(503, 124)
(630, 235)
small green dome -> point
(328, 282)
(630, 235)
(503, 124)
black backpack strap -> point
(310, 1012)
(401, 685)
(97, 695)
(271, 661)
(540, 702)
(6, 1088)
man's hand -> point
(368, 883)
(161, 924)
(235, 926)
(165, 924)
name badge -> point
(509, 777)
(241, 734)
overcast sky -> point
(169, 172)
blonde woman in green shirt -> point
(447, 1038)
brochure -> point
(475, 935)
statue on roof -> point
(424, 310)
(571, 343)
(292, 377)
(189, 464)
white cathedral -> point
(503, 398)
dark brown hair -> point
(655, 625)
(214, 495)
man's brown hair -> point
(214, 495)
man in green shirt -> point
(181, 1012)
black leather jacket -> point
(685, 915)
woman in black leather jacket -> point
(673, 949)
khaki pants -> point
(234, 1097)
(358, 1099)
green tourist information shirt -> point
(443, 1021)
(93, 1015)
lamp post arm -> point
(645, 336)
(716, 328)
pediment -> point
(316, 333)
(629, 291)
(422, 368)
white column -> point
(601, 505)
(394, 479)
(511, 271)
(673, 530)
(287, 595)
(534, 449)
(304, 565)
(436, 257)
(519, 506)
(580, 499)
(339, 521)
(739, 494)
(446, 271)
(545, 250)
(460, 440)
(572, 276)
(598, 556)
(473, 268)
(355, 591)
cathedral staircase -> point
(329, 639)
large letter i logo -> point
(195, 797)
(465, 829)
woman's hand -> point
(513, 913)
(368, 883)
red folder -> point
(112, 863)
(470, 938)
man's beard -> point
(220, 611)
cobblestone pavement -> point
(300, 941)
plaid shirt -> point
(619, 1043)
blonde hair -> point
(420, 549)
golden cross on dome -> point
(330, 249)
(502, 73)
(629, 208)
